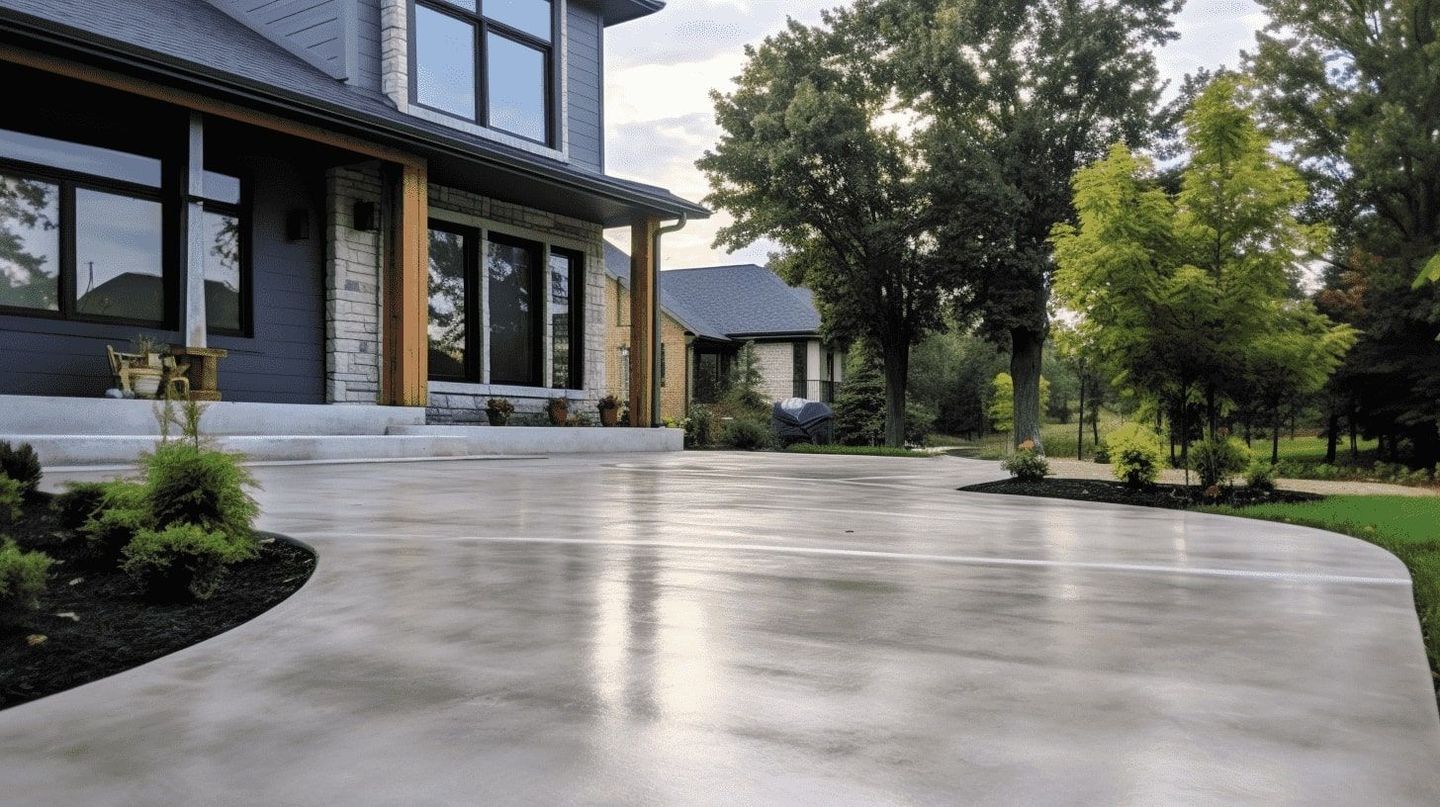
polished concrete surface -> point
(728, 629)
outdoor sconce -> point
(297, 225)
(366, 216)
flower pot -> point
(559, 415)
(496, 417)
(609, 416)
(146, 386)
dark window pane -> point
(530, 16)
(29, 244)
(83, 159)
(514, 309)
(516, 76)
(118, 268)
(447, 305)
(801, 353)
(222, 271)
(444, 62)
(222, 188)
(561, 350)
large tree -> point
(1351, 87)
(1010, 97)
(806, 159)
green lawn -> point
(1408, 526)
(1059, 439)
(1310, 448)
(860, 451)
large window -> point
(82, 232)
(227, 292)
(567, 280)
(452, 253)
(488, 61)
(515, 308)
(801, 352)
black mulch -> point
(95, 623)
(1177, 497)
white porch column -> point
(192, 326)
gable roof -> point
(193, 45)
(739, 301)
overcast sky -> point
(660, 70)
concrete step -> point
(34, 414)
(71, 450)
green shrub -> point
(919, 423)
(747, 434)
(1136, 454)
(1260, 475)
(194, 485)
(22, 579)
(1027, 464)
(22, 465)
(78, 503)
(12, 500)
(1102, 453)
(183, 559)
(123, 511)
(700, 426)
(1216, 461)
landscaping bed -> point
(1175, 497)
(96, 622)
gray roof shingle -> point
(738, 301)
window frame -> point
(800, 369)
(475, 341)
(482, 25)
(539, 293)
(241, 210)
(577, 317)
(67, 280)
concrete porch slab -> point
(41, 414)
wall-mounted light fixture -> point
(297, 225)
(366, 216)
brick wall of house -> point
(777, 367)
(674, 393)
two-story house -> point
(369, 202)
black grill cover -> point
(796, 420)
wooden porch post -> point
(404, 355)
(642, 342)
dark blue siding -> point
(283, 362)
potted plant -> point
(143, 345)
(559, 411)
(498, 411)
(609, 407)
(147, 373)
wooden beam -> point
(201, 103)
(642, 283)
(404, 349)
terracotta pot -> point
(496, 417)
(558, 415)
(609, 416)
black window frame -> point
(474, 338)
(577, 317)
(68, 182)
(539, 294)
(481, 26)
(800, 375)
(241, 210)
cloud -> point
(661, 69)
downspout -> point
(655, 318)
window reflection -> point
(513, 268)
(529, 16)
(222, 271)
(118, 266)
(516, 95)
(444, 62)
(448, 326)
(29, 244)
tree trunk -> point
(897, 371)
(1332, 436)
(1275, 436)
(1354, 436)
(1026, 347)
(1080, 428)
(1094, 423)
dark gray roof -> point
(192, 44)
(739, 301)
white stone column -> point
(193, 280)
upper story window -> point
(488, 61)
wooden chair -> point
(126, 367)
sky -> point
(659, 71)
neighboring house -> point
(709, 314)
(364, 201)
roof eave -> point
(614, 12)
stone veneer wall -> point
(452, 402)
(352, 288)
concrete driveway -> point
(728, 629)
